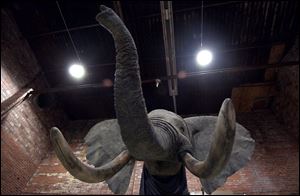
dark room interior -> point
(254, 49)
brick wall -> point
(286, 103)
(24, 131)
(273, 169)
(52, 178)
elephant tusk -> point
(81, 170)
(221, 146)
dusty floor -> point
(274, 168)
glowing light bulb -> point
(204, 57)
(77, 71)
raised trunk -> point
(136, 129)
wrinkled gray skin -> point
(212, 148)
(147, 140)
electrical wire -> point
(62, 16)
(201, 25)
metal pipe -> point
(64, 30)
(24, 94)
(239, 69)
(188, 75)
(177, 56)
(14, 101)
(201, 38)
(196, 8)
(97, 25)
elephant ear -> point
(201, 129)
(104, 143)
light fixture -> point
(204, 57)
(77, 71)
(157, 82)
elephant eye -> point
(181, 129)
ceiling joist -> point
(169, 45)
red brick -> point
(24, 131)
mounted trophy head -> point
(212, 148)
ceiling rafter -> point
(169, 45)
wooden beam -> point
(276, 54)
(248, 98)
(169, 44)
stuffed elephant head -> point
(210, 147)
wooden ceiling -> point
(240, 34)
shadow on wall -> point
(286, 104)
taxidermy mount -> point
(210, 147)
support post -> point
(169, 44)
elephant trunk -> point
(136, 129)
